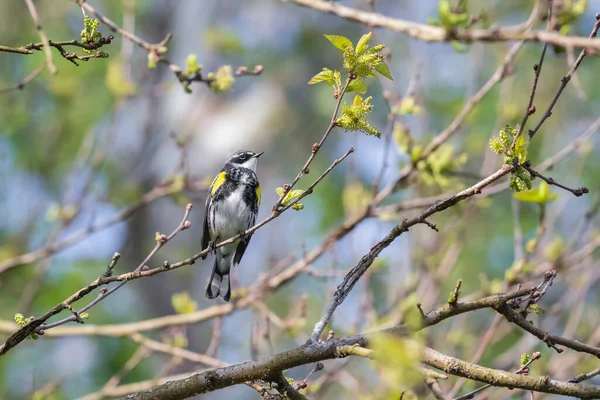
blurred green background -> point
(78, 147)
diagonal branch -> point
(357, 272)
(565, 80)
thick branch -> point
(237, 374)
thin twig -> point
(576, 192)
(565, 80)
(45, 41)
(25, 81)
(521, 370)
(537, 70)
(315, 148)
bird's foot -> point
(212, 247)
(244, 236)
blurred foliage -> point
(130, 111)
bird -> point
(231, 209)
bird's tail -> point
(219, 273)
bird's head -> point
(245, 158)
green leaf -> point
(183, 303)
(151, 61)
(402, 137)
(279, 191)
(540, 195)
(223, 79)
(357, 85)
(459, 47)
(450, 19)
(326, 75)
(340, 42)
(192, 65)
(407, 106)
(362, 43)
(384, 70)
(397, 361)
(555, 249)
(118, 83)
(295, 193)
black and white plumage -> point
(231, 208)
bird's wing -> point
(214, 186)
(240, 250)
(243, 244)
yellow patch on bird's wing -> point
(258, 193)
(219, 180)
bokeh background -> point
(92, 140)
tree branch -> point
(212, 380)
(431, 33)
(565, 80)
(357, 272)
(45, 41)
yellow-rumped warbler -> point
(231, 208)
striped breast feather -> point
(217, 182)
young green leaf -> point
(340, 42)
(326, 75)
(540, 195)
(384, 70)
(151, 61)
(192, 65)
(357, 85)
(362, 43)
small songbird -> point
(231, 208)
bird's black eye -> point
(242, 156)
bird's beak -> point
(258, 154)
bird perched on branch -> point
(231, 208)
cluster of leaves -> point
(91, 35)
(22, 321)
(360, 62)
(568, 12)
(536, 309)
(451, 18)
(57, 212)
(516, 271)
(540, 195)
(222, 80)
(354, 117)
(191, 65)
(514, 147)
(436, 167)
(355, 198)
(290, 197)
(183, 304)
(397, 360)
(406, 106)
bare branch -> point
(565, 80)
(45, 41)
(431, 33)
